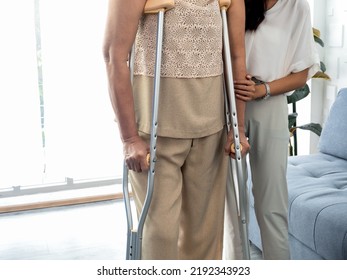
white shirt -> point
(283, 43)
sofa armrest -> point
(333, 140)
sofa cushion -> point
(317, 187)
(333, 140)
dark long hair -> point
(255, 13)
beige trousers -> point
(186, 216)
(266, 124)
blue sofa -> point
(317, 186)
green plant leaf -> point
(298, 94)
(322, 67)
(321, 75)
(291, 120)
(314, 127)
(319, 41)
(316, 32)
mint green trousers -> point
(266, 124)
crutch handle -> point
(148, 158)
(154, 6)
(232, 148)
(224, 4)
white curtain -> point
(21, 156)
(81, 137)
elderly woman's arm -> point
(121, 26)
(236, 27)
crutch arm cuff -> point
(224, 4)
(154, 6)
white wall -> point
(330, 17)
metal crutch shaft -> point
(224, 5)
(134, 237)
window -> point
(55, 116)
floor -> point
(93, 231)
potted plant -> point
(300, 94)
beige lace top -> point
(192, 45)
(188, 108)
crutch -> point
(134, 236)
(236, 164)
